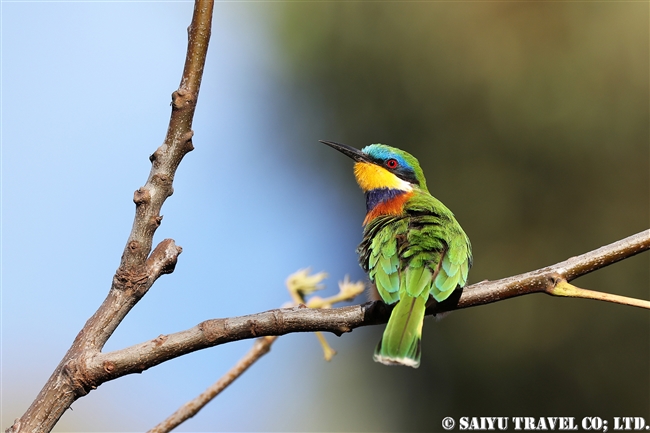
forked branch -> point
(139, 267)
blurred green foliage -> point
(531, 121)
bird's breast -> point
(385, 201)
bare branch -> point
(135, 359)
(138, 269)
(260, 348)
(299, 285)
(542, 280)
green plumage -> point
(413, 248)
(409, 257)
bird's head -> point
(381, 166)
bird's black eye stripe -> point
(406, 174)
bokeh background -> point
(531, 121)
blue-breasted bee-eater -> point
(412, 246)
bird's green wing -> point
(454, 268)
(429, 238)
(436, 239)
(379, 256)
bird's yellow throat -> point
(371, 176)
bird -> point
(413, 248)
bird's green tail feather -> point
(400, 344)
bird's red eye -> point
(392, 163)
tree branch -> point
(138, 269)
(545, 279)
(299, 284)
(260, 348)
(137, 358)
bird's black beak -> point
(350, 151)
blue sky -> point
(85, 100)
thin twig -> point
(300, 284)
(563, 288)
(260, 348)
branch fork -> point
(140, 267)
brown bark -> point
(555, 284)
(137, 358)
